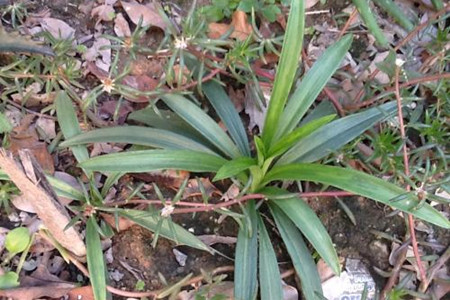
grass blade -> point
(67, 120)
(312, 84)
(269, 274)
(234, 167)
(246, 261)
(396, 13)
(177, 234)
(309, 224)
(95, 260)
(150, 160)
(289, 60)
(368, 17)
(203, 123)
(360, 184)
(138, 135)
(298, 251)
(336, 134)
(228, 114)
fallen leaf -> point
(22, 203)
(121, 27)
(57, 28)
(100, 48)
(46, 126)
(25, 137)
(103, 12)
(310, 3)
(225, 288)
(141, 83)
(253, 109)
(148, 13)
(239, 22)
(84, 292)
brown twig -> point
(348, 23)
(395, 272)
(407, 173)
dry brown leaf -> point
(124, 223)
(211, 239)
(148, 13)
(310, 3)
(35, 186)
(57, 28)
(84, 292)
(121, 27)
(239, 22)
(100, 48)
(141, 83)
(103, 12)
(25, 137)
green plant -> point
(17, 11)
(193, 141)
(18, 240)
(220, 9)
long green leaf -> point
(95, 260)
(234, 167)
(361, 184)
(370, 21)
(246, 261)
(67, 119)
(150, 160)
(228, 114)
(269, 274)
(312, 84)
(287, 141)
(150, 220)
(138, 135)
(203, 123)
(289, 60)
(336, 134)
(64, 189)
(298, 251)
(309, 224)
(166, 119)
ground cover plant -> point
(297, 143)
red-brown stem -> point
(404, 41)
(199, 207)
(204, 79)
(348, 23)
(414, 81)
(407, 173)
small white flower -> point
(399, 62)
(181, 43)
(167, 210)
(108, 85)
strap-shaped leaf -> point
(150, 160)
(269, 274)
(309, 224)
(298, 251)
(289, 60)
(138, 135)
(312, 84)
(298, 134)
(172, 231)
(370, 21)
(360, 184)
(64, 189)
(166, 119)
(246, 260)
(228, 114)
(234, 167)
(336, 134)
(203, 123)
(67, 120)
(95, 260)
